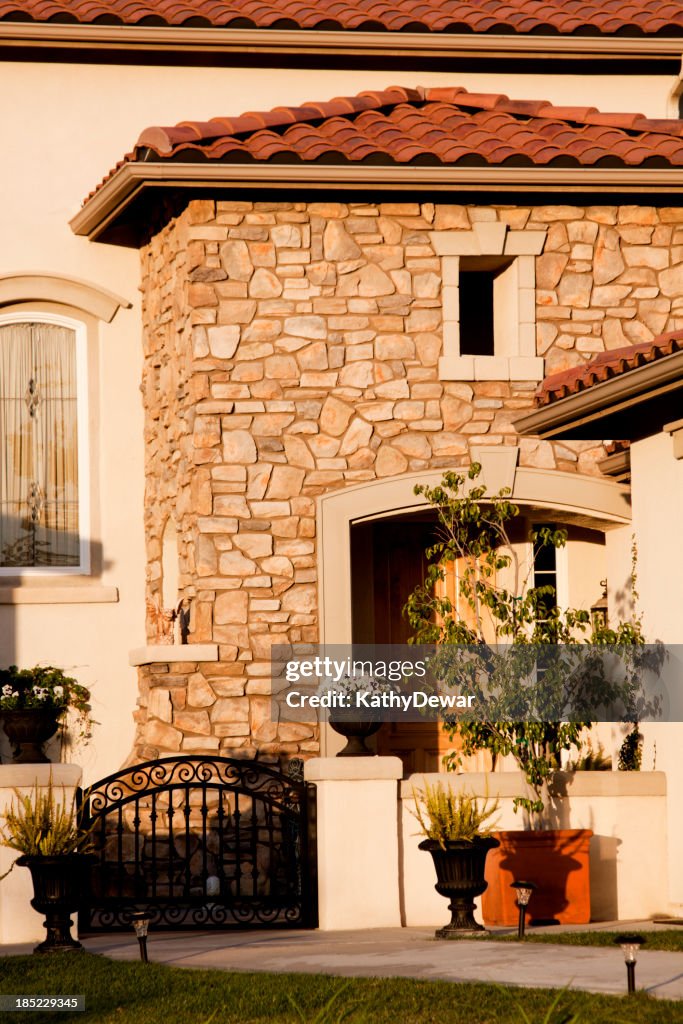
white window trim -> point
(82, 420)
(490, 238)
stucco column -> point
(19, 922)
(358, 879)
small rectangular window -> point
(40, 461)
(488, 305)
(476, 313)
(545, 566)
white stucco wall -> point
(656, 472)
(358, 825)
(627, 861)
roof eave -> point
(118, 191)
(598, 402)
(618, 466)
(218, 40)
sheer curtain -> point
(38, 446)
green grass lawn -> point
(135, 993)
(670, 940)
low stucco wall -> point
(628, 852)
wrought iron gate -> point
(200, 842)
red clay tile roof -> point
(607, 365)
(549, 17)
(615, 447)
(432, 126)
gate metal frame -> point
(259, 858)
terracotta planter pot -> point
(460, 878)
(557, 861)
(27, 730)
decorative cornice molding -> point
(174, 40)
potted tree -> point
(45, 832)
(541, 674)
(459, 841)
(33, 704)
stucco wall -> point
(358, 824)
(628, 872)
(656, 471)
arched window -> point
(44, 516)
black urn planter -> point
(58, 887)
(27, 729)
(356, 733)
(460, 878)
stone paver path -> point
(407, 952)
(402, 952)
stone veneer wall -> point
(292, 348)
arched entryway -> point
(373, 539)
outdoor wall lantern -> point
(599, 609)
(630, 944)
(524, 891)
(140, 921)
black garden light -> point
(524, 891)
(630, 944)
(140, 921)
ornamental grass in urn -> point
(34, 702)
(459, 839)
(44, 830)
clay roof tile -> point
(447, 124)
(607, 365)
(602, 17)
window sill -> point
(81, 593)
(491, 368)
(177, 653)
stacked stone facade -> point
(293, 348)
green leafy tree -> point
(503, 643)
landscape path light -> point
(630, 944)
(140, 921)
(524, 891)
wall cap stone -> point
(352, 769)
(156, 653)
(25, 776)
(513, 784)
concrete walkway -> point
(405, 952)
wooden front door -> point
(387, 563)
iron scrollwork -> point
(199, 842)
